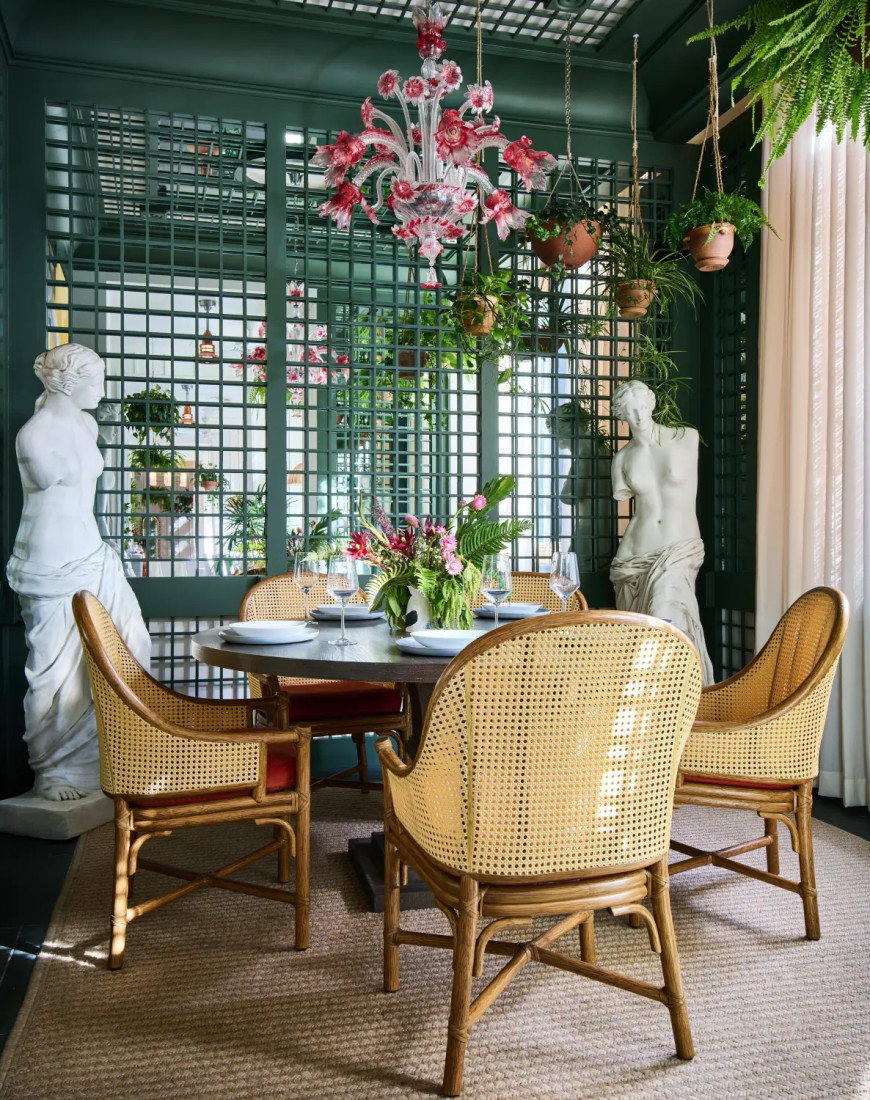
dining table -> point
(374, 657)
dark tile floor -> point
(32, 873)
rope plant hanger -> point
(706, 226)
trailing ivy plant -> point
(631, 259)
(713, 209)
(653, 365)
(800, 56)
(561, 214)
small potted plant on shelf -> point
(706, 226)
(489, 315)
(641, 278)
(566, 234)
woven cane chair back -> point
(553, 749)
(776, 707)
(535, 588)
(137, 756)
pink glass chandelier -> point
(426, 170)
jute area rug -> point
(213, 1002)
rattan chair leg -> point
(460, 1001)
(392, 915)
(773, 848)
(670, 960)
(123, 826)
(587, 940)
(283, 853)
(807, 865)
(303, 875)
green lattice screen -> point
(156, 231)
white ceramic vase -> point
(419, 613)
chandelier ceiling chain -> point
(431, 167)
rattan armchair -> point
(543, 787)
(328, 707)
(535, 588)
(755, 743)
(172, 761)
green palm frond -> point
(479, 539)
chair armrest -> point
(263, 736)
(389, 761)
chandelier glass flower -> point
(426, 170)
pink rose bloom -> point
(455, 138)
(529, 163)
(454, 567)
(448, 544)
(479, 503)
(388, 83)
(342, 360)
(259, 353)
(414, 88)
(412, 521)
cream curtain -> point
(814, 437)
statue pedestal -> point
(30, 815)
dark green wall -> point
(147, 56)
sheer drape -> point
(814, 440)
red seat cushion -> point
(736, 782)
(280, 776)
(343, 699)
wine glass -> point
(564, 576)
(341, 584)
(495, 579)
(305, 573)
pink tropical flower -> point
(337, 158)
(404, 543)
(359, 545)
(412, 521)
(342, 360)
(414, 88)
(367, 112)
(507, 216)
(388, 83)
(455, 138)
(479, 502)
(454, 566)
(451, 74)
(529, 163)
(480, 97)
(340, 206)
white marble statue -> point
(661, 551)
(58, 551)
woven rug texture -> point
(214, 1002)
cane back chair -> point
(171, 761)
(328, 707)
(755, 743)
(543, 786)
(535, 588)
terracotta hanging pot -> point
(546, 343)
(710, 253)
(634, 297)
(477, 313)
(571, 249)
(208, 486)
(408, 358)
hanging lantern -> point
(206, 343)
(428, 162)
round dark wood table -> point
(375, 657)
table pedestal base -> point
(367, 857)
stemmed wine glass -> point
(564, 576)
(305, 574)
(341, 584)
(495, 579)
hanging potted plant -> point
(643, 279)
(489, 315)
(707, 226)
(567, 233)
(799, 57)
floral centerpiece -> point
(442, 560)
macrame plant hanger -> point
(635, 215)
(475, 217)
(712, 128)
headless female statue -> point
(57, 552)
(658, 559)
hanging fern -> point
(797, 58)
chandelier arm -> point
(481, 179)
(397, 148)
(395, 129)
(374, 165)
(379, 185)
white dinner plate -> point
(275, 632)
(447, 641)
(351, 611)
(511, 611)
(411, 645)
